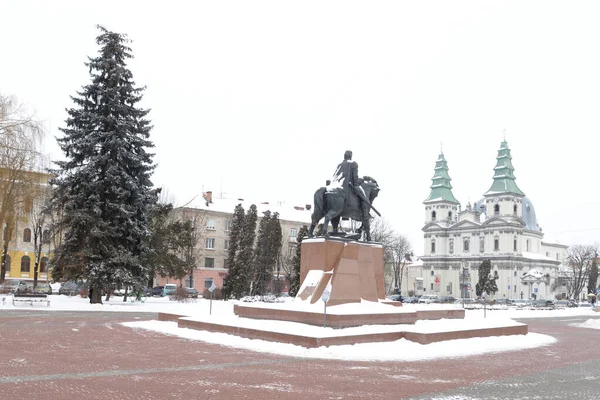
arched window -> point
(515, 244)
(527, 244)
(7, 263)
(44, 264)
(25, 262)
(515, 208)
(449, 214)
(27, 235)
(433, 215)
(496, 244)
(466, 245)
(451, 246)
(496, 209)
(432, 246)
(481, 245)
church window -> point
(432, 246)
(481, 245)
(515, 273)
(515, 244)
(432, 272)
(496, 244)
(515, 208)
(449, 214)
(451, 246)
(527, 244)
(496, 209)
(433, 215)
(432, 286)
(27, 235)
(514, 288)
(496, 274)
(466, 245)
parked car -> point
(504, 301)
(13, 286)
(42, 287)
(565, 303)
(157, 290)
(169, 289)
(396, 297)
(70, 288)
(447, 299)
(584, 304)
(411, 300)
(191, 292)
(428, 299)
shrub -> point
(216, 295)
(180, 295)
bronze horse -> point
(329, 204)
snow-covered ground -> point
(590, 323)
(398, 350)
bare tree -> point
(580, 259)
(397, 251)
(20, 139)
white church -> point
(501, 227)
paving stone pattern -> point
(89, 355)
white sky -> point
(261, 99)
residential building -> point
(213, 217)
(501, 226)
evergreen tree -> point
(243, 259)
(295, 273)
(103, 188)
(267, 248)
(235, 233)
(486, 282)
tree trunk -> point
(96, 295)
(108, 293)
(125, 295)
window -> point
(44, 264)
(291, 251)
(515, 208)
(208, 283)
(514, 288)
(432, 246)
(210, 243)
(496, 274)
(432, 272)
(449, 214)
(547, 254)
(432, 286)
(188, 281)
(46, 236)
(527, 244)
(27, 235)
(293, 232)
(228, 226)
(226, 246)
(449, 288)
(496, 244)
(556, 256)
(209, 262)
(466, 245)
(7, 263)
(433, 215)
(481, 245)
(496, 209)
(211, 225)
(451, 246)
(225, 263)
(515, 273)
(28, 205)
(25, 261)
(515, 244)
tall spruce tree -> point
(235, 233)
(103, 188)
(295, 273)
(265, 256)
(243, 259)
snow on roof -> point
(287, 212)
(536, 256)
(535, 273)
(551, 240)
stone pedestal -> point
(353, 269)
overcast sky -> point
(260, 99)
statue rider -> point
(346, 176)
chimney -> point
(308, 207)
(209, 196)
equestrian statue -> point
(345, 196)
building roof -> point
(441, 189)
(287, 212)
(504, 178)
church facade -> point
(501, 227)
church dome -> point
(529, 215)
